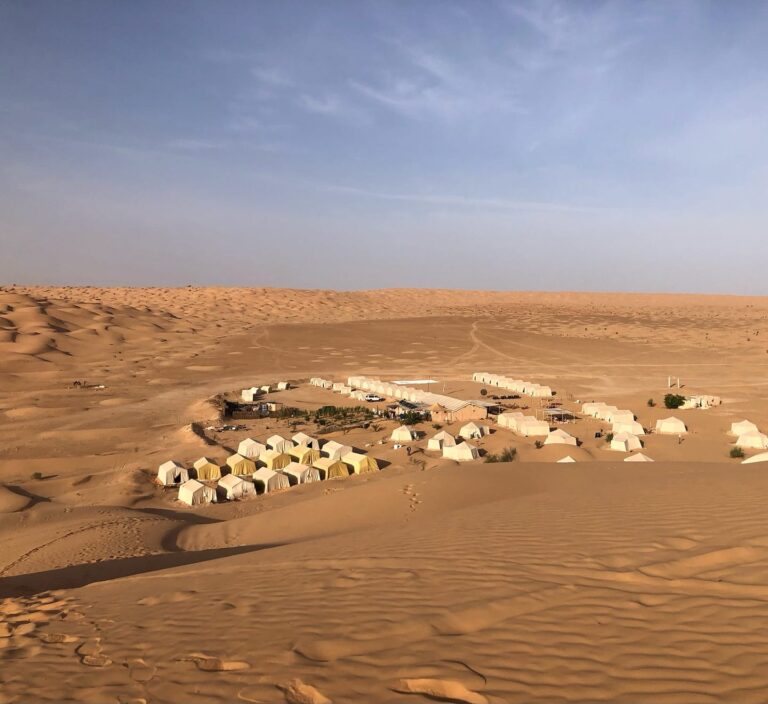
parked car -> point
(373, 398)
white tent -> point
(250, 395)
(441, 440)
(304, 440)
(250, 448)
(620, 416)
(279, 443)
(234, 487)
(193, 493)
(634, 427)
(463, 452)
(762, 457)
(625, 442)
(529, 426)
(560, 437)
(283, 386)
(743, 426)
(670, 426)
(335, 450)
(753, 440)
(567, 458)
(170, 473)
(301, 474)
(510, 419)
(266, 388)
(591, 408)
(639, 457)
(337, 386)
(403, 434)
(267, 480)
(473, 431)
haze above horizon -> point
(531, 145)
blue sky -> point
(539, 144)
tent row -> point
(452, 448)
(520, 386)
(254, 392)
(321, 383)
(267, 479)
(527, 426)
(622, 420)
(443, 409)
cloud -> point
(271, 76)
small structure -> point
(404, 433)
(283, 386)
(193, 493)
(473, 431)
(762, 457)
(620, 416)
(670, 426)
(510, 419)
(567, 458)
(441, 440)
(753, 440)
(304, 455)
(463, 452)
(634, 427)
(250, 395)
(360, 463)
(335, 450)
(241, 466)
(560, 437)
(530, 426)
(625, 442)
(266, 480)
(207, 471)
(171, 473)
(272, 459)
(639, 457)
(457, 411)
(279, 443)
(592, 408)
(266, 388)
(300, 474)
(331, 469)
(250, 448)
(233, 487)
(743, 426)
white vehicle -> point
(372, 398)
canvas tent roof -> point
(250, 448)
(301, 474)
(510, 419)
(743, 426)
(529, 426)
(234, 487)
(279, 443)
(170, 473)
(559, 437)
(639, 457)
(240, 465)
(360, 463)
(331, 469)
(335, 450)
(274, 459)
(762, 457)
(634, 427)
(404, 433)
(440, 440)
(304, 455)
(463, 452)
(306, 440)
(193, 493)
(567, 458)
(473, 430)
(207, 470)
(269, 480)
(625, 442)
(753, 440)
(670, 426)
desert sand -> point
(528, 581)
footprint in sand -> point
(141, 671)
(57, 638)
(296, 692)
(442, 690)
(206, 663)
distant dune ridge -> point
(530, 581)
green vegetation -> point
(538, 444)
(37, 476)
(508, 454)
(437, 426)
(411, 418)
(651, 403)
(737, 452)
(609, 437)
(674, 400)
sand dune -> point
(428, 581)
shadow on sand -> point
(81, 575)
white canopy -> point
(560, 437)
(670, 426)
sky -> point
(499, 144)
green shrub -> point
(651, 403)
(508, 454)
(736, 452)
(37, 476)
(437, 426)
(609, 437)
(411, 418)
(538, 444)
(491, 458)
(674, 400)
